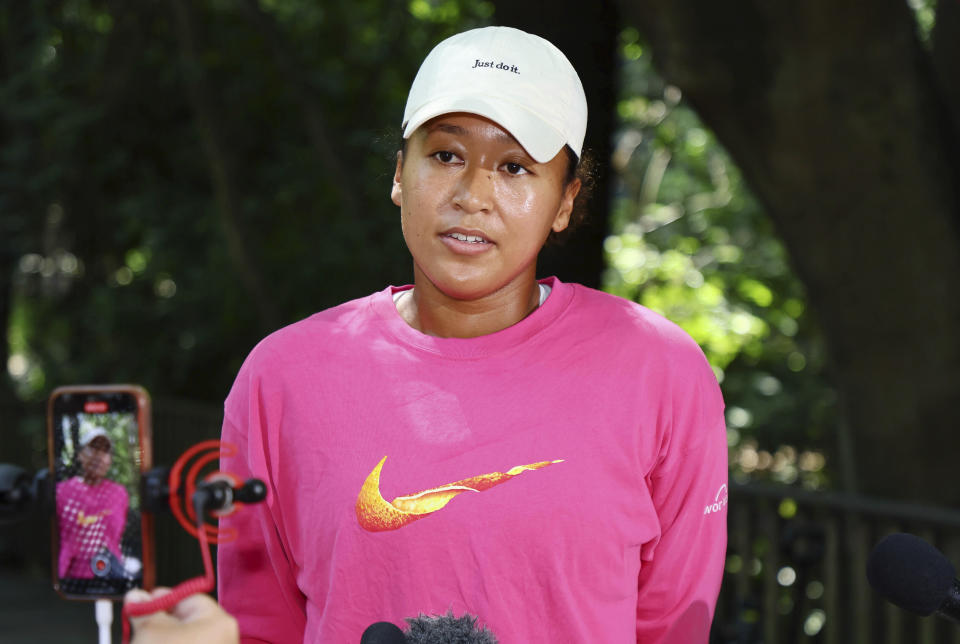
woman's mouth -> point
(470, 239)
(466, 242)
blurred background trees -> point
(843, 119)
(180, 178)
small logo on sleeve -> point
(719, 502)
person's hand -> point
(196, 619)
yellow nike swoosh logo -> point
(87, 519)
(376, 515)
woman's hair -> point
(583, 168)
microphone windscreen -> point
(383, 633)
(447, 629)
(911, 573)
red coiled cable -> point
(204, 533)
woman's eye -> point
(514, 168)
(444, 156)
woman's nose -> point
(474, 191)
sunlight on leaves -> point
(689, 241)
(925, 13)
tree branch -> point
(225, 192)
(946, 61)
(340, 182)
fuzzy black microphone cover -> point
(909, 572)
(447, 629)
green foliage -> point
(690, 241)
(181, 178)
(925, 12)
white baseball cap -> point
(519, 80)
(89, 432)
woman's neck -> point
(432, 312)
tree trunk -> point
(221, 172)
(324, 145)
(833, 112)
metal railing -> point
(796, 563)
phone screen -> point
(99, 447)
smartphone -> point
(99, 441)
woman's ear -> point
(395, 191)
(562, 219)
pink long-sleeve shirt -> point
(565, 479)
(91, 518)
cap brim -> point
(539, 139)
(94, 435)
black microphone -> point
(383, 633)
(909, 572)
(219, 494)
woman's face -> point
(95, 459)
(475, 207)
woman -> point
(92, 512)
(555, 456)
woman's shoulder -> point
(70, 483)
(331, 330)
(629, 333)
(629, 322)
(115, 486)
